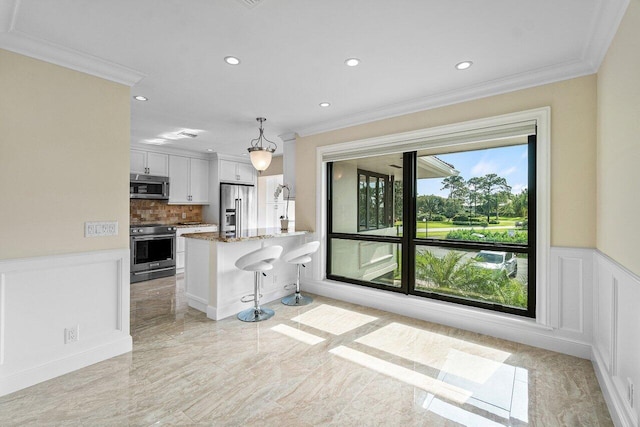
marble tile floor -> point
(328, 363)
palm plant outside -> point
(454, 275)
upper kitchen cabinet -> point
(199, 181)
(189, 180)
(236, 172)
(149, 163)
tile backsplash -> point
(156, 211)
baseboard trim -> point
(211, 312)
(615, 402)
(56, 368)
(196, 302)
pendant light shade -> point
(260, 158)
(261, 155)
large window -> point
(455, 224)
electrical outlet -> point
(184, 215)
(96, 229)
(630, 391)
(72, 334)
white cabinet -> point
(178, 179)
(199, 181)
(189, 180)
(138, 161)
(149, 163)
(180, 242)
(230, 171)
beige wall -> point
(618, 146)
(64, 158)
(275, 168)
(573, 151)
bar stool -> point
(299, 256)
(257, 261)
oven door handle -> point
(138, 273)
(153, 237)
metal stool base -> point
(297, 299)
(253, 315)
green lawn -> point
(504, 222)
(434, 226)
(432, 234)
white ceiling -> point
(293, 54)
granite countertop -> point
(178, 225)
(197, 224)
(253, 234)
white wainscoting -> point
(41, 297)
(616, 341)
(570, 297)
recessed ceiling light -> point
(324, 104)
(352, 62)
(463, 65)
(140, 98)
(231, 60)
(210, 150)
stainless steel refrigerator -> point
(238, 208)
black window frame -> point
(409, 242)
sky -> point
(510, 163)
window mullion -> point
(532, 222)
(408, 220)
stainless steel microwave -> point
(148, 187)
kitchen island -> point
(215, 286)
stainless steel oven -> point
(153, 251)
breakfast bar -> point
(213, 283)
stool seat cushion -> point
(300, 260)
(259, 260)
(259, 266)
(301, 254)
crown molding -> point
(28, 45)
(605, 24)
(288, 136)
(34, 47)
(568, 70)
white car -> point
(492, 260)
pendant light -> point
(261, 156)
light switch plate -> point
(100, 229)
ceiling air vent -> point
(250, 4)
(187, 134)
